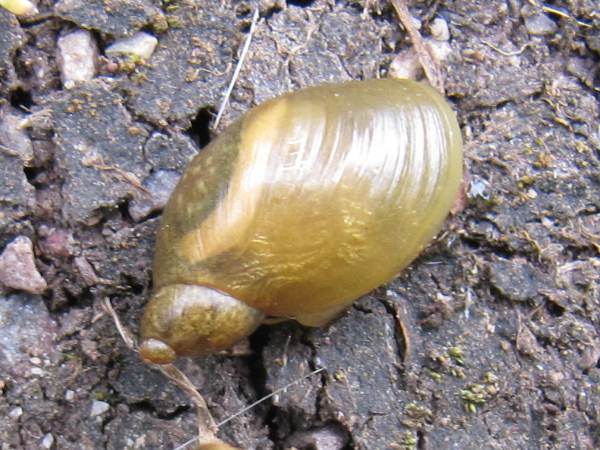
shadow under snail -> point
(298, 208)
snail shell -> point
(307, 202)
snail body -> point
(307, 202)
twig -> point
(8, 151)
(238, 68)
(401, 316)
(505, 53)
(564, 15)
(126, 335)
(268, 396)
(98, 163)
(207, 428)
(429, 65)
(257, 402)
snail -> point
(298, 208)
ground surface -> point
(501, 344)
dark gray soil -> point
(490, 340)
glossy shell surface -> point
(313, 199)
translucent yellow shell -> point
(307, 202)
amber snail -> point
(307, 202)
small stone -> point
(479, 188)
(111, 67)
(77, 55)
(406, 63)
(439, 29)
(527, 344)
(555, 377)
(15, 413)
(56, 242)
(160, 184)
(98, 408)
(17, 267)
(14, 138)
(48, 441)
(540, 25)
(69, 395)
(90, 348)
(140, 45)
(328, 437)
(36, 371)
(590, 357)
(87, 271)
(169, 152)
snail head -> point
(192, 320)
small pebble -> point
(589, 357)
(17, 267)
(328, 437)
(479, 188)
(77, 55)
(86, 270)
(527, 343)
(140, 45)
(439, 29)
(540, 25)
(111, 67)
(159, 184)
(48, 441)
(15, 413)
(56, 242)
(69, 395)
(555, 377)
(37, 372)
(98, 408)
(14, 138)
(406, 63)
